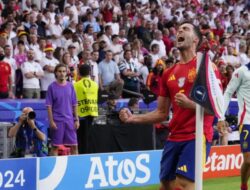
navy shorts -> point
(179, 158)
(245, 138)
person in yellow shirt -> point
(87, 97)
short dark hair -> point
(6, 46)
(107, 27)
(133, 101)
(154, 46)
(20, 42)
(84, 70)
(126, 51)
(108, 51)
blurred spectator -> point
(144, 70)
(175, 54)
(122, 36)
(32, 72)
(229, 72)
(12, 62)
(6, 81)
(130, 75)
(23, 36)
(20, 58)
(138, 50)
(67, 38)
(41, 25)
(154, 53)
(243, 57)
(168, 43)
(158, 40)
(220, 137)
(40, 52)
(114, 24)
(154, 78)
(94, 66)
(71, 70)
(116, 48)
(58, 53)
(91, 22)
(48, 64)
(107, 36)
(56, 31)
(89, 34)
(231, 58)
(73, 56)
(102, 50)
(109, 76)
(144, 32)
(35, 46)
(223, 74)
(3, 38)
(133, 105)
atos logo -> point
(123, 172)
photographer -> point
(30, 136)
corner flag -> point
(206, 90)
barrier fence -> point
(99, 171)
(104, 171)
(11, 109)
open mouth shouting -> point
(180, 41)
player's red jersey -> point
(5, 72)
(180, 78)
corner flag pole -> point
(199, 121)
(207, 94)
(198, 147)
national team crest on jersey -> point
(191, 75)
(181, 82)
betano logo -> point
(125, 170)
(222, 162)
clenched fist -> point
(125, 115)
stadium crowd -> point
(127, 43)
(139, 36)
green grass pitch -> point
(227, 183)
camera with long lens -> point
(31, 115)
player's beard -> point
(183, 46)
(186, 44)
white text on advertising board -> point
(221, 162)
(126, 171)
